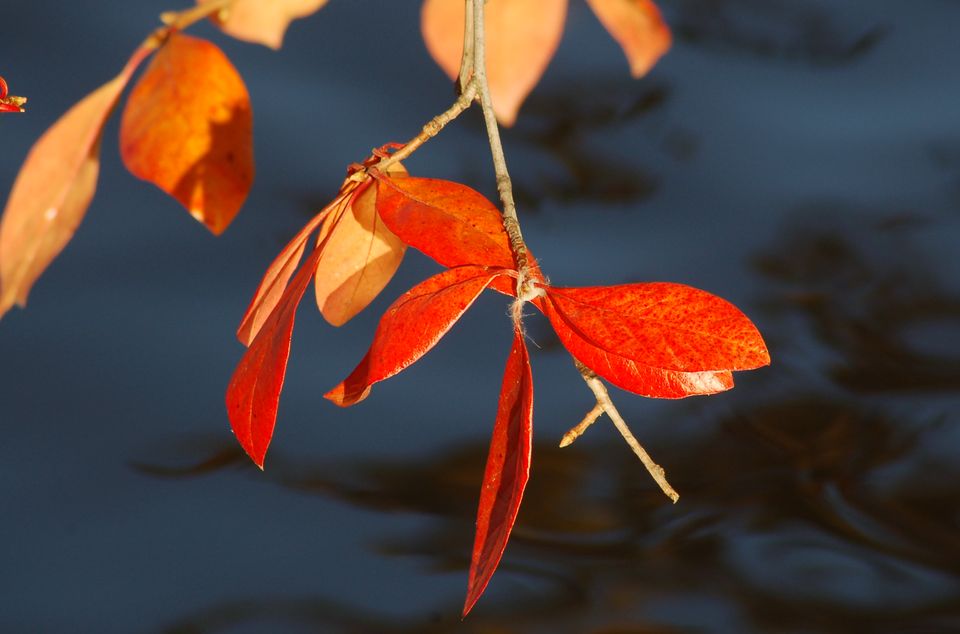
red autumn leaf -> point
(262, 21)
(521, 38)
(9, 103)
(507, 471)
(413, 325)
(54, 189)
(628, 374)
(188, 128)
(449, 222)
(254, 391)
(360, 256)
(663, 340)
(639, 29)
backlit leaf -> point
(639, 29)
(263, 21)
(54, 188)
(187, 128)
(360, 256)
(413, 325)
(254, 391)
(507, 470)
(447, 221)
(663, 325)
(521, 38)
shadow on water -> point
(783, 29)
(818, 509)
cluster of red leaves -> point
(186, 127)
(530, 30)
(9, 103)
(657, 339)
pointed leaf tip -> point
(188, 129)
(263, 21)
(639, 29)
(507, 471)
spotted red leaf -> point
(412, 326)
(507, 471)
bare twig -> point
(575, 432)
(603, 400)
(466, 60)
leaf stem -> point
(504, 185)
(603, 401)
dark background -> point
(800, 158)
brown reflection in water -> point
(868, 293)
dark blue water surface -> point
(800, 158)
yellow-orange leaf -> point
(263, 21)
(54, 189)
(187, 128)
(522, 36)
(639, 29)
(360, 256)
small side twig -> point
(603, 401)
(575, 432)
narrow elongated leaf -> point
(639, 29)
(254, 391)
(449, 222)
(188, 129)
(263, 21)
(629, 374)
(360, 256)
(507, 471)
(413, 325)
(521, 38)
(663, 325)
(54, 188)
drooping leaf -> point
(664, 325)
(639, 29)
(507, 470)
(360, 256)
(449, 222)
(281, 269)
(412, 326)
(253, 395)
(631, 375)
(263, 21)
(521, 38)
(54, 188)
(188, 128)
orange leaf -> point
(639, 29)
(663, 325)
(413, 325)
(253, 395)
(507, 471)
(447, 221)
(522, 36)
(187, 128)
(631, 375)
(263, 21)
(54, 189)
(360, 256)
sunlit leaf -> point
(449, 222)
(521, 38)
(263, 21)
(360, 256)
(54, 188)
(639, 29)
(507, 470)
(254, 391)
(187, 127)
(413, 325)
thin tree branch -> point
(575, 432)
(603, 400)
